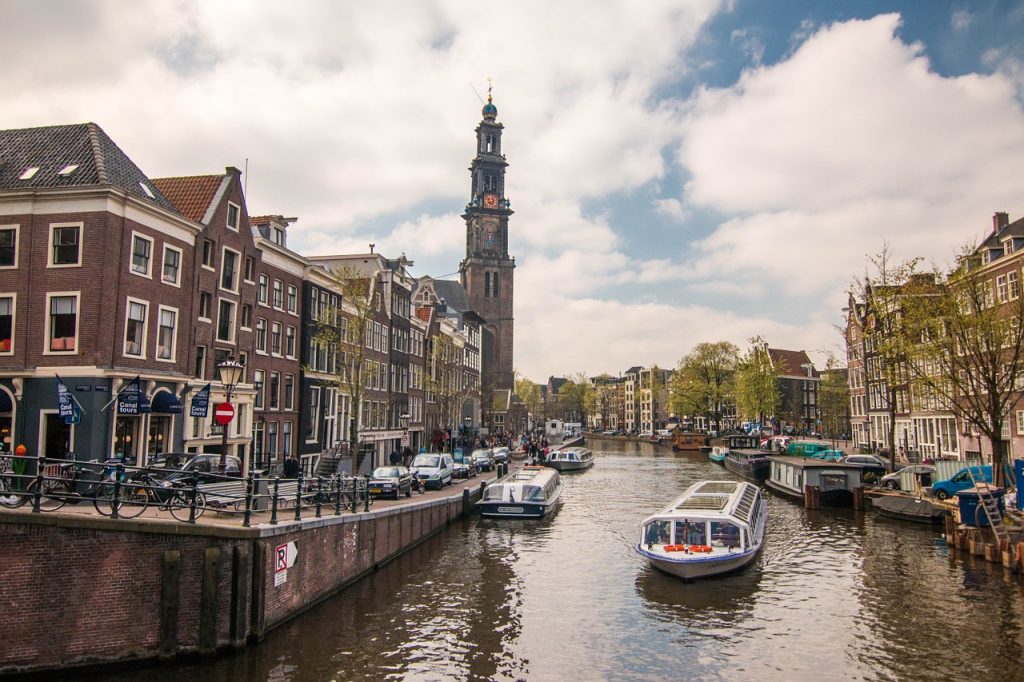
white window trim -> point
(14, 322)
(295, 345)
(238, 270)
(227, 216)
(249, 281)
(283, 299)
(181, 264)
(49, 246)
(286, 299)
(265, 303)
(266, 337)
(199, 315)
(174, 337)
(148, 274)
(270, 340)
(17, 244)
(234, 322)
(202, 247)
(78, 322)
(124, 331)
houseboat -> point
(570, 459)
(835, 481)
(688, 441)
(528, 493)
(746, 459)
(712, 528)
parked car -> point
(500, 455)
(924, 471)
(391, 480)
(205, 465)
(484, 460)
(871, 464)
(433, 469)
(463, 465)
(805, 448)
(961, 480)
(829, 455)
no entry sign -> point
(223, 413)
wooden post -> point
(858, 498)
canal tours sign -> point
(284, 558)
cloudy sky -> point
(681, 170)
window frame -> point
(16, 228)
(238, 216)
(199, 312)
(208, 247)
(277, 294)
(262, 289)
(145, 328)
(276, 339)
(176, 282)
(14, 320)
(260, 332)
(221, 301)
(50, 246)
(47, 339)
(174, 333)
(132, 268)
(236, 271)
(291, 299)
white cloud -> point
(673, 208)
(961, 19)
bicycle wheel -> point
(134, 498)
(180, 504)
(10, 498)
(54, 494)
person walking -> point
(291, 467)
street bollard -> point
(366, 490)
(38, 496)
(250, 484)
(273, 504)
(319, 487)
(298, 498)
(336, 482)
(195, 498)
(355, 495)
(115, 503)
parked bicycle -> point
(63, 481)
(144, 489)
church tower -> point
(487, 270)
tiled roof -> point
(452, 293)
(261, 219)
(191, 195)
(788, 362)
(55, 148)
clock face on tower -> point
(490, 200)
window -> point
(63, 322)
(261, 295)
(487, 285)
(9, 246)
(233, 214)
(275, 338)
(229, 270)
(1020, 422)
(494, 285)
(278, 294)
(289, 342)
(208, 250)
(257, 384)
(135, 328)
(289, 392)
(1001, 290)
(278, 237)
(142, 248)
(274, 391)
(65, 242)
(314, 413)
(272, 440)
(1013, 285)
(172, 265)
(286, 439)
(6, 324)
(205, 301)
(246, 316)
(165, 336)
(250, 268)
(261, 334)
(226, 321)
(200, 368)
(293, 298)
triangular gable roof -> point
(52, 149)
(788, 362)
(192, 195)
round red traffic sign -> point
(223, 413)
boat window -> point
(656, 533)
(533, 493)
(494, 492)
(725, 534)
(691, 533)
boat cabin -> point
(529, 484)
(744, 443)
(712, 517)
(687, 440)
(835, 481)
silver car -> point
(924, 471)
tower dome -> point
(490, 111)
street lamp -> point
(230, 373)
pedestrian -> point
(291, 467)
(393, 458)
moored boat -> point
(712, 528)
(907, 508)
(717, 453)
(747, 459)
(835, 481)
(688, 441)
(570, 459)
(528, 493)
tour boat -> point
(747, 459)
(528, 493)
(712, 528)
(570, 459)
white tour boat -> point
(714, 527)
(570, 459)
(527, 493)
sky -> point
(680, 170)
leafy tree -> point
(757, 382)
(529, 393)
(577, 396)
(703, 382)
(446, 380)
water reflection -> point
(834, 595)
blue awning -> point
(166, 403)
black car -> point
(463, 466)
(391, 481)
(206, 466)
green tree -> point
(529, 393)
(577, 396)
(757, 383)
(703, 381)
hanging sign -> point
(201, 403)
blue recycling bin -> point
(968, 501)
(1018, 469)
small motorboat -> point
(570, 459)
(907, 508)
(718, 453)
(712, 528)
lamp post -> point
(230, 373)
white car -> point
(435, 470)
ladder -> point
(990, 506)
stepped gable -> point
(53, 150)
(192, 195)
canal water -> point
(834, 595)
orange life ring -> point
(700, 548)
(675, 548)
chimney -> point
(999, 221)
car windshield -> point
(426, 461)
(386, 472)
(481, 454)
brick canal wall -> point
(80, 590)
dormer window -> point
(147, 190)
(1008, 246)
(68, 169)
(29, 173)
(986, 257)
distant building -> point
(798, 387)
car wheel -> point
(408, 491)
(892, 485)
(942, 495)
